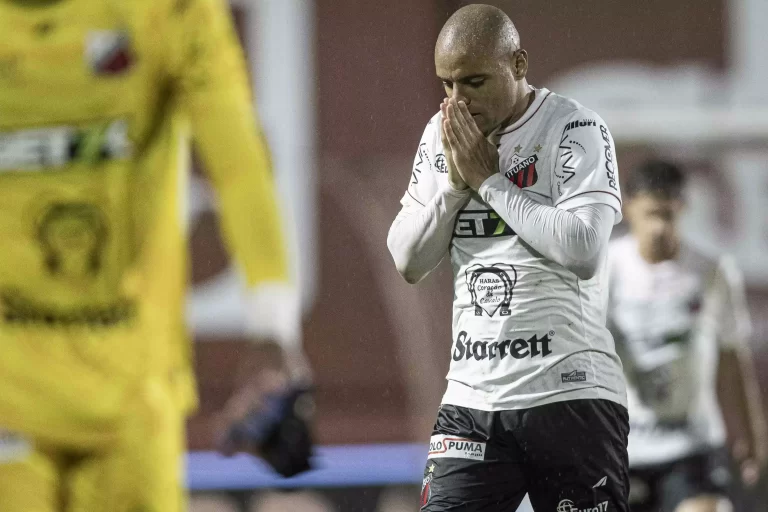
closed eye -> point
(472, 81)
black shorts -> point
(568, 456)
(663, 487)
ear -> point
(520, 64)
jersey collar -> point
(538, 100)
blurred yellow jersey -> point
(97, 98)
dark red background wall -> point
(380, 348)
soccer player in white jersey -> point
(520, 186)
(681, 327)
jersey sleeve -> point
(211, 81)
(731, 320)
(210, 78)
(429, 161)
(585, 170)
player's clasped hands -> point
(469, 154)
(454, 178)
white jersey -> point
(527, 331)
(670, 320)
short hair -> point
(660, 178)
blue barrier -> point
(335, 466)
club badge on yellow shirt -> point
(109, 52)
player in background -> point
(98, 99)
(520, 186)
(682, 328)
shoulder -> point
(432, 128)
(176, 13)
(715, 267)
(582, 127)
(172, 9)
(145, 15)
(620, 248)
(700, 261)
(570, 113)
(212, 14)
(729, 271)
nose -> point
(459, 95)
(658, 229)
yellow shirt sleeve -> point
(212, 84)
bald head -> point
(478, 29)
(479, 60)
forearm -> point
(757, 418)
(753, 404)
(740, 400)
(572, 238)
(420, 237)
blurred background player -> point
(681, 325)
(97, 101)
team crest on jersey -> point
(426, 490)
(523, 171)
(109, 52)
(491, 288)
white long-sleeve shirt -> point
(528, 253)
